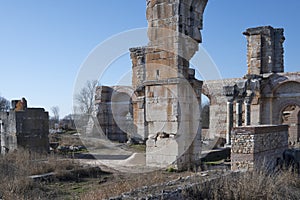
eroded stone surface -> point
(168, 93)
(258, 147)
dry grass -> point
(66, 139)
(129, 182)
(249, 185)
(16, 167)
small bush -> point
(171, 169)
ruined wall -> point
(263, 92)
(256, 147)
(280, 91)
(114, 113)
(27, 128)
(32, 129)
(138, 57)
(213, 89)
(274, 93)
(8, 131)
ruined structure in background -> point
(265, 95)
(163, 107)
(114, 113)
(24, 127)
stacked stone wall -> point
(213, 89)
(258, 146)
(112, 108)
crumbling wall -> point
(255, 147)
(32, 129)
(24, 127)
(8, 131)
(280, 91)
(213, 89)
(113, 113)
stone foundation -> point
(254, 147)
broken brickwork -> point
(114, 113)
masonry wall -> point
(28, 129)
(167, 107)
(265, 50)
(213, 89)
(254, 147)
(32, 129)
(111, 110)
(8, 132)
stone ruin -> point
(114, 113)
(265, 95)
(168, 96)
(24, 127)
(258, 147)
(164, 103)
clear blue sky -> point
(44, 43)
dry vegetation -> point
(15, 168)
(249, 185)
(121, 183)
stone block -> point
(257, 146)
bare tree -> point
(55, 112)
(86, 97)
(4, 104)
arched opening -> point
(205, 104)
(205, 116)
(290, 116)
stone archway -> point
(286, 106)
(290, 116)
